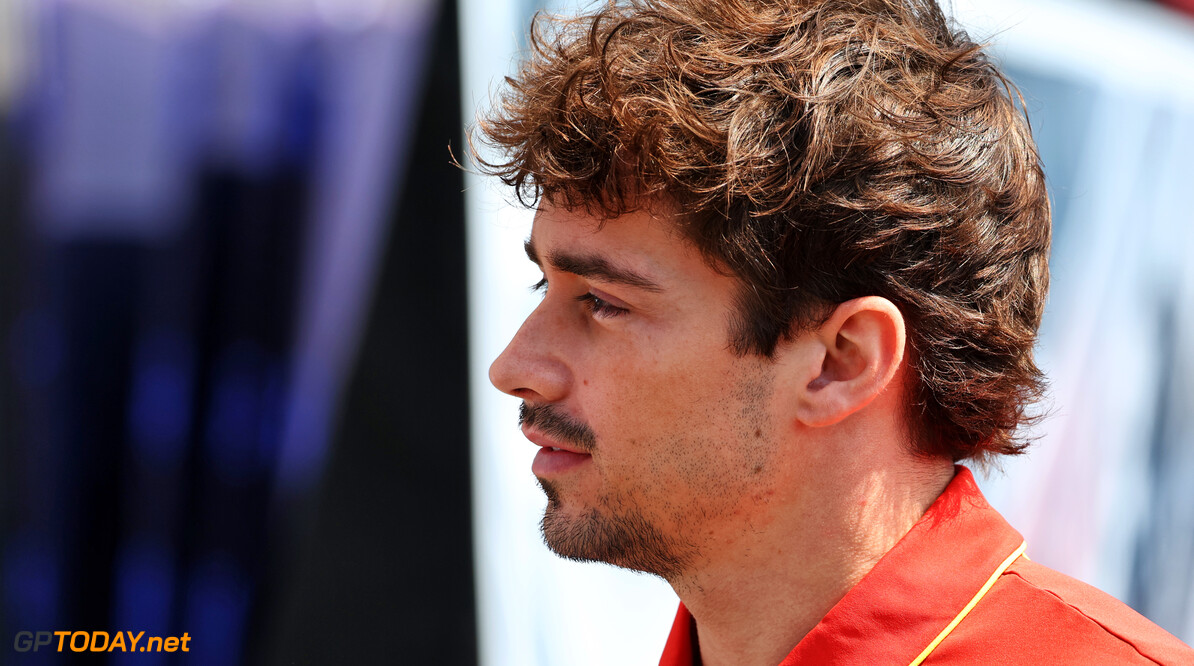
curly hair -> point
(819, 151)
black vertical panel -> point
(251, 231)
(97, 283)
(12, 181)
(384, 574)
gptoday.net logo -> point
(98, 641)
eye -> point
(599, 307)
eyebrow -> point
(592, 266)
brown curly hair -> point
(819, 151)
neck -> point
(763, 586)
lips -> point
(554, 457)
(551, 461)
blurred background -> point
(247, 306)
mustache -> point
(556, 425)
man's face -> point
(666, 437)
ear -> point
(860, 348)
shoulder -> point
(1034, 614)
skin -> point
(760, 489)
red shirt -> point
(957, 589)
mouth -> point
(553, 462)
(554, 457)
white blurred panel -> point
(534, 609)
(1135, 47)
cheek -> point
(658, 395)
(687, 427)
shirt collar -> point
(909, 597)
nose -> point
(531, 367)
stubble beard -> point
(623, 537)
(617, 532)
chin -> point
(627, 540)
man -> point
(794, 259)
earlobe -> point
(861, 349)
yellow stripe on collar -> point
(970, 606)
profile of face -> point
(657, 440)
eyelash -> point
(597, 307)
